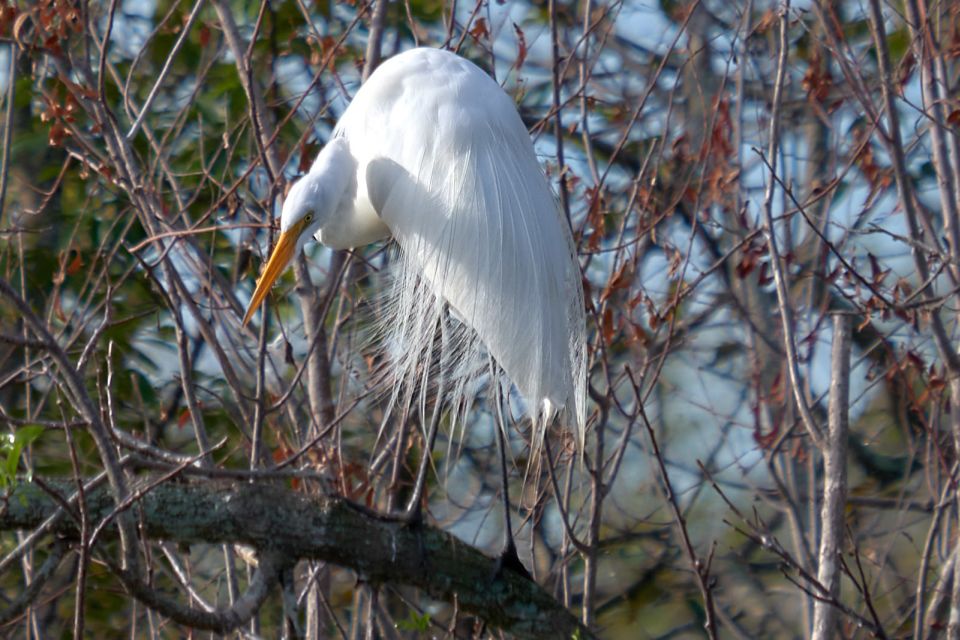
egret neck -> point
(324, 205)
(340, 200)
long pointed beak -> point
(279, 259)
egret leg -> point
(508, 558)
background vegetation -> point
(766, 201)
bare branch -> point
(834, 481)
(776, 260)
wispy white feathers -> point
(487, 260)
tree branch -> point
(835, 481)
(292, 526)
(776, 263)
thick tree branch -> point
(292, 526)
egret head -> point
(304, 210)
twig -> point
(171, 56)
(375, 39)
(776, 261)
(557, 121)
(934, 81)
(108, 455)
(257, 105)
(700, 569)
(104, 46)
(223, 621)
(946, 502)
(835, 480)
(905, 191)
(14, 53)
(39, 580)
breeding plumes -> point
(432, 153)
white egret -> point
(432, 153)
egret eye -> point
(308, 218)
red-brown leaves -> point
(480, 30)
(521, 47)
(59, 112)
(75, 264)
(71, 261)
(323, 48)
(878, 272)
(595, 218)
(769, 18)
(204, 35)
(817, 81)
(57, 134)
(720, 143)
(879, 177)
(715, 155)
(608, 327)
(749, 259)
(8, 16)
(621, 279)
(47, 24)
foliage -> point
(11, 449)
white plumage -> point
(433, 153)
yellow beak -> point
(279, 259)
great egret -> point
(432, 153)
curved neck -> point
(347, 225)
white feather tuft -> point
(487, 261)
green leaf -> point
(415, 622)
(13, 445)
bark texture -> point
(293, 526)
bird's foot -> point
(509, 560)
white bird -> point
(432, 153)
